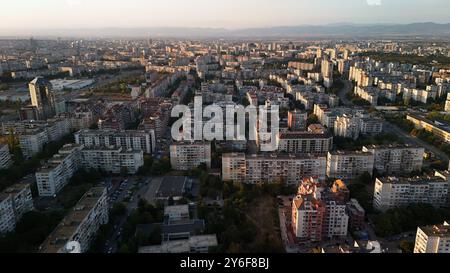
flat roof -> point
(69, 225)
(442, 230)
(182, 209)
(171, 186)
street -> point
(391, 128)
(129, 191)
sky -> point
(231, 14)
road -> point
(391, 128)
(111, 245)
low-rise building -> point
(195, 244)
(439, 129)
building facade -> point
(130, 139)
(349, 165)
(259, 169)
(396, 159)
(80, 224)
(189, 155)
(433, 239)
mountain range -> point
(332, 30)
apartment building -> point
(80, 224)
(257, 169)
(129, 139)
(32, 143)
(305, 142)
(186, 156)
(391, 192)
(347, 126)
(396, 158)
(34, 135)
(369, 94)
(318, 213)
(7, 218)
(418, 95)
(297, 120)
(349, 164)
(356, 214)
(58, 171)
(112, 159)
(433, 239)
(440, 130)
(5, 157)
(15, 201)
(370, 125)
(354, 125)
(307, 218)
(327, 116)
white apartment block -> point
(305, 142)
(257, 169)
(81, 224)
(130, 139)
(370, 125)
(360, 76)
(15, 201)
(186, 156)
(34, 135)
(58, 128)
(112, 159)
(335, 222)
(396, 159)
(433, 239)
(391, 192)
(347, 126)
(7, 218)
(327, 116)
(32, 143)
(5, 157)
(447, 103)
(349, 165)
(58, 171)
(418, 95)
(369, 94)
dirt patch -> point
(264, 214)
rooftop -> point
(442, 230)
(67, 228)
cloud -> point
(374, 2)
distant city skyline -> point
(230, 14)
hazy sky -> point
(32, 14)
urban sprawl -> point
(87, 155)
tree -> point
(406, 247)
(312, 119)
